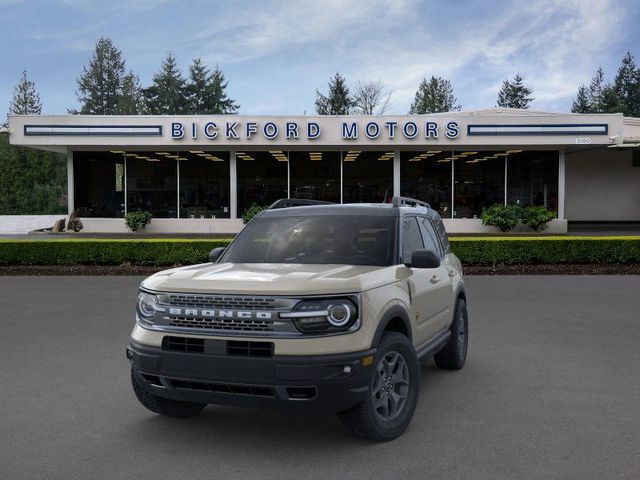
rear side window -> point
(411, 238)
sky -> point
(275, 54)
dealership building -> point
(199, 174)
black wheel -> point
(164, 406)
(393, 392)
(454, 355)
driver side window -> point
(411, 238)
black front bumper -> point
(313, 383)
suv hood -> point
(271, 279)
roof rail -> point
(408, 201)
(296, 202)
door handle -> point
(435, 279)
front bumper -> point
(313, 383)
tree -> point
(130, 100)
(596, 89)
(370, 98)
(206, 92)
(337, 101)
(627, 86)
(99, 86)
(581, 104)
(167, 96)
(514, 93)
(434, 95)
(26, 100)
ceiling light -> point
(152, 160)
(500, 154)
(444, 160)
(514, 151)
(117, 151)
(434, 151)
(196, 151)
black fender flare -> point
(395, 311)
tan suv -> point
(319, 308)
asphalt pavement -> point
(551, 390)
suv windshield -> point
(341, 239)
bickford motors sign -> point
(290, 130)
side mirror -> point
(425, 259)
(214, 254)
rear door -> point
(423, 284)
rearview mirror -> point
(424, 259)
(214, 254)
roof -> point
(356, 209)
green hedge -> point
(165, 252)
(158, 252)
(546, 250)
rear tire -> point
(164, 406)
(392, 395)
(454, 355)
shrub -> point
(537, 217)
(503, 217)
(74, 223)
(251, 212)
(137, 220)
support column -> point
(70, 193)
(506, 168)
(396, 173)
(453, 182)
(561, 183)
(233, 186)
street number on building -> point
(583, 141)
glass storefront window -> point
(152, 183)
(315, 175)
(262, 178)
(204, 184)
(478, 182)
(367, 177)
(532, 178)
(426, 175)
(99, 184)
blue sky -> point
(276, 53)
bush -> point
(137, 220)
(73, 251)
(168, 252)
(74, 223)
(537, 217)
(251, 212)
(503, 217)
(546, 250)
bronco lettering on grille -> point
(210, 313)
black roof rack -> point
(408, 201)
(296, 202)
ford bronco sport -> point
(321, 308)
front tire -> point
(164, 406)
(454, 355)
(393, 392)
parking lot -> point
(551, 390)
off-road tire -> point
(164, 406)
(454, 354)
(363, 419)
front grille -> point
(250, 349)
(234, 389)
(183, 344)
(218, 301)
(225, 324)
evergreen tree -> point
(130, 101)
(627, 86)
(337, 101)
(596, 88)
(581, 104)
(26, 100)
(434, 95)
(514, 93)
(206, 92)
(166, 96)
(100, 84)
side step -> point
(433, 346)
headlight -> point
(146, 306)
(324, 315)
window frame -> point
(401, 231)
